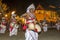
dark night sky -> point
(21, 5)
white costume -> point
(58, 26)
(30, 34)
(45, 28)
(13, 27)
(3, 26)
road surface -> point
(51, 34)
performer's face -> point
(31, 10)
(27, 16)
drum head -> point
(38, 28)
(31, 26)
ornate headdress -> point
(31, 7)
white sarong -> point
(13, 32)
(31, 35)
(58, 27)
(45, 29)
(3, 29)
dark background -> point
(21, 5)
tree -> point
(3, 9)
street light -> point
(13, 12)
(6, 15)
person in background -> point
(3, 25)
(13, 26)
(45, 27)
(58, 26)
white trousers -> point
(3, 30)
(45, 29)
(13, 32)
(58, 27)
(31, 35)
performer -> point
(31, 34)
(31, 31)
(3, 25)
(58, 26)
(45, 28)
(13, 27)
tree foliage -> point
(3, 7)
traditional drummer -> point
(30, 33)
